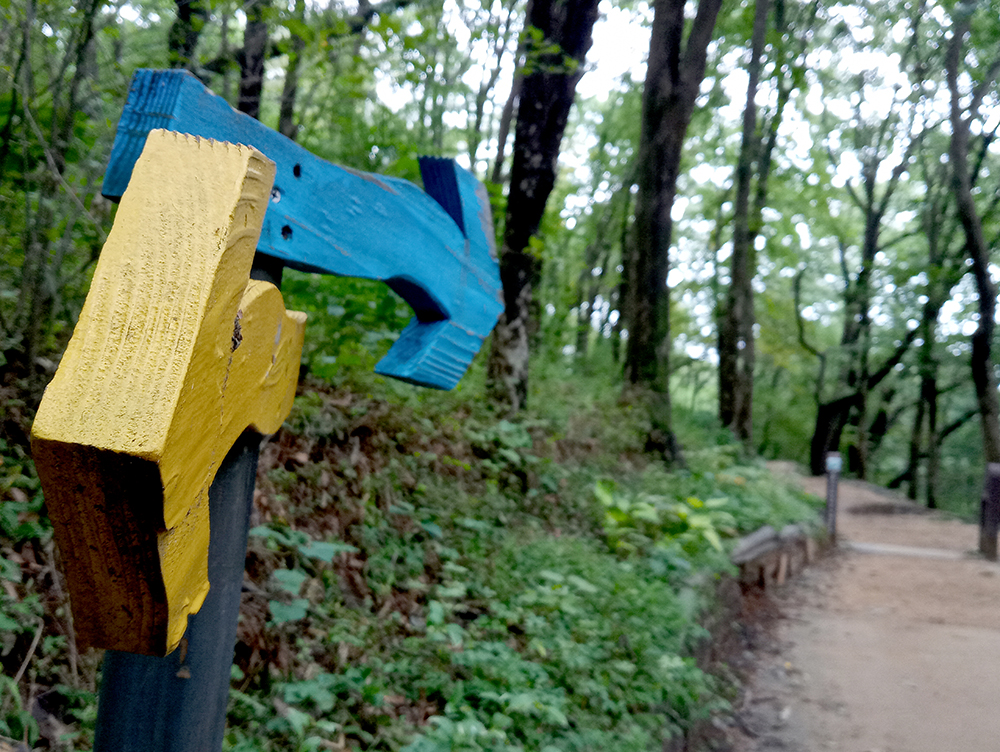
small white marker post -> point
(834, 464)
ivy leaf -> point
(289, 580)
(8, 625)
(282, 613)
(325, 550)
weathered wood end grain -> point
(176, 353)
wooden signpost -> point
(433, 247)
(146, 439)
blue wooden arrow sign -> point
(434, 248)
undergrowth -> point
(423, 577)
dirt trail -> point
(882, 652)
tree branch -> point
(54, 169)
(979, 92)
(956, 424)
(797, 296)
(876, 378)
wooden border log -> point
(755, 545)
(767, 557)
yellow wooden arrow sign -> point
(176, 353)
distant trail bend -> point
(889, 644)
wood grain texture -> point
(176, 353)
(434, 248)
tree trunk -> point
(474, 136)
(833, 417)
(182, 39)
(225, 55)
(546, 97)
(252, 57)
(286, 110)
(930, 398)
(31, 325)
(673, 77)
(736, 340)
(855, 342)
(983, 375)
(587, 284)
(912, 473)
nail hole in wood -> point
(297, 170)
(286, 233)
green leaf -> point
(298, 720)
(432, 529)
(10, 570)
(8, 625)
(581, 584)
(713, 538)
(282, 613)
(290, 580)
(522, 702)
(325, 550)
(435, 613)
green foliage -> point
(430, 577)
(351, 322)
(21, 518)
(473, 626)
(646, 520)
(16, 721)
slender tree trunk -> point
(855, 342)
(736, 355)
(673, 77)
(39, 273)
(225, 55)
(65, 115)
(924, 442)
(507, 114)
(474, 136)
(182, 39)
(252, 57)
(983, 375)
(930, 390)
(833, 417)
(286, 112)
(586, 283)
(546, 97)
(6, 135)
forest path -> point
(881, 648)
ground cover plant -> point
(422, 576)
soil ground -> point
(890, 643)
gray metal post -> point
(178, 703)
(833, 466)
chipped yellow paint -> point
(176, 353)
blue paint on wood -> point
(435, 249)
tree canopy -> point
(826, 278)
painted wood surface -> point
(436, 249)
(176, 353)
